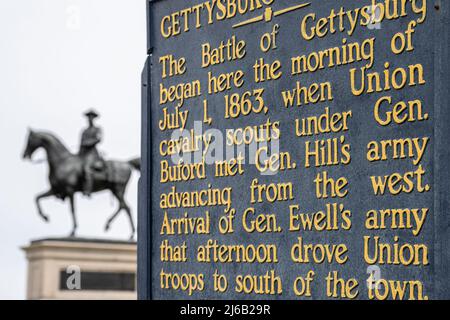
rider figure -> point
(92, 161)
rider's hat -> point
(91, 114)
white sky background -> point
(50, 73)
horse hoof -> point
(107, 228)
(132, 237)
(45, 218)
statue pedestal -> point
(76, 268)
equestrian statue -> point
(86, 172)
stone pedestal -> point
(74, 268)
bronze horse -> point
(66, 176)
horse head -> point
(56, 151)
(34, 142)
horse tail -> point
(135, 163)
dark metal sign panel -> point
(295, 150)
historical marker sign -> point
(295, 150)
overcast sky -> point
(59, 58)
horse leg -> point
(120, 195)
(112, 218)
(74, 217)
(130, 217)
(38, 205)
